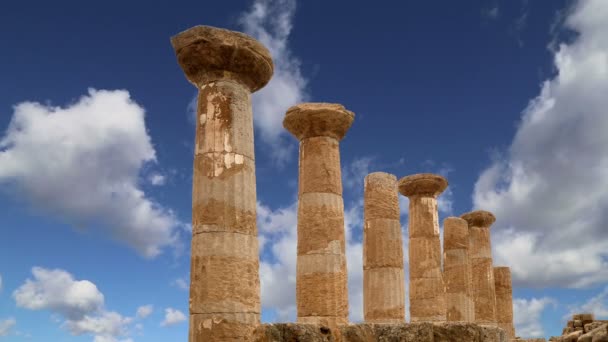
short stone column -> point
(457, 271)
(226, 67)
(480, 253)
(383, 278)
(427, 289)
(321, 280)
(504, 300)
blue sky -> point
(504, 98)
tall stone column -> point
(480, 253)
(383, 278)
(504, 300)
(226, 67)
(457, 270)
(321, 280)
(427, 289)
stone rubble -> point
(583, 327)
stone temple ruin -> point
(465, 299)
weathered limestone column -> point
(427, 289)
(504, 300)
(226, 67)
(383, 278)
(480, 253)
(321, 281)
(457, 270)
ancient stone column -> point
(504, 300)
(427, 289)
(321, 281)
(383, 278)
(480, 254)
(457, 271)
(226, 67)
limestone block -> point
(367, 332)
(423, 217)
(382, 243)
(322, 294)
(597, 334)
(223, 198)
(425, 257)
(223, 283)
(484, 294)
(308, 120)
(229, 327)
(224, 119)
(381, 199)
(384, 294)
(321, 224)
(578, 323)
(423, 288)
(460, 307)
(207, 54)
(320, 166)
(428, 309)
(479, 243)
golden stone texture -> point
(226, 67)
(457, 270)
(504, 300)
(480, 254)
(322, 279)
(383, 277)
(427, 287)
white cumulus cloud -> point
(527, 314)
(78, 301)
(81, 163)
(549, 189)
(144, 311)
(172, 317)
(271, 22)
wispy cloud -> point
(271, 22)
(527, 314)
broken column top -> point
(479, 218)
(308, 120)
(381, 178)
(423, 184)
(208, 54)
(455, 233)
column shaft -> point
(480, 254)
(224, 279)
(321, 282)
(504, 300)
(427, 288)
(427, 291)
(383, 276)
(457, 271)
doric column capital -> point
(422, 184)
(479, 218)
(208, 54)
(308, 120)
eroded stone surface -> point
(208, 53)
(480, 253)
(457, 271)
(504, 300)
(369, 332)
(321, 277)
(226, 67)
(308, 120)
(383, 275)
(427, 288)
